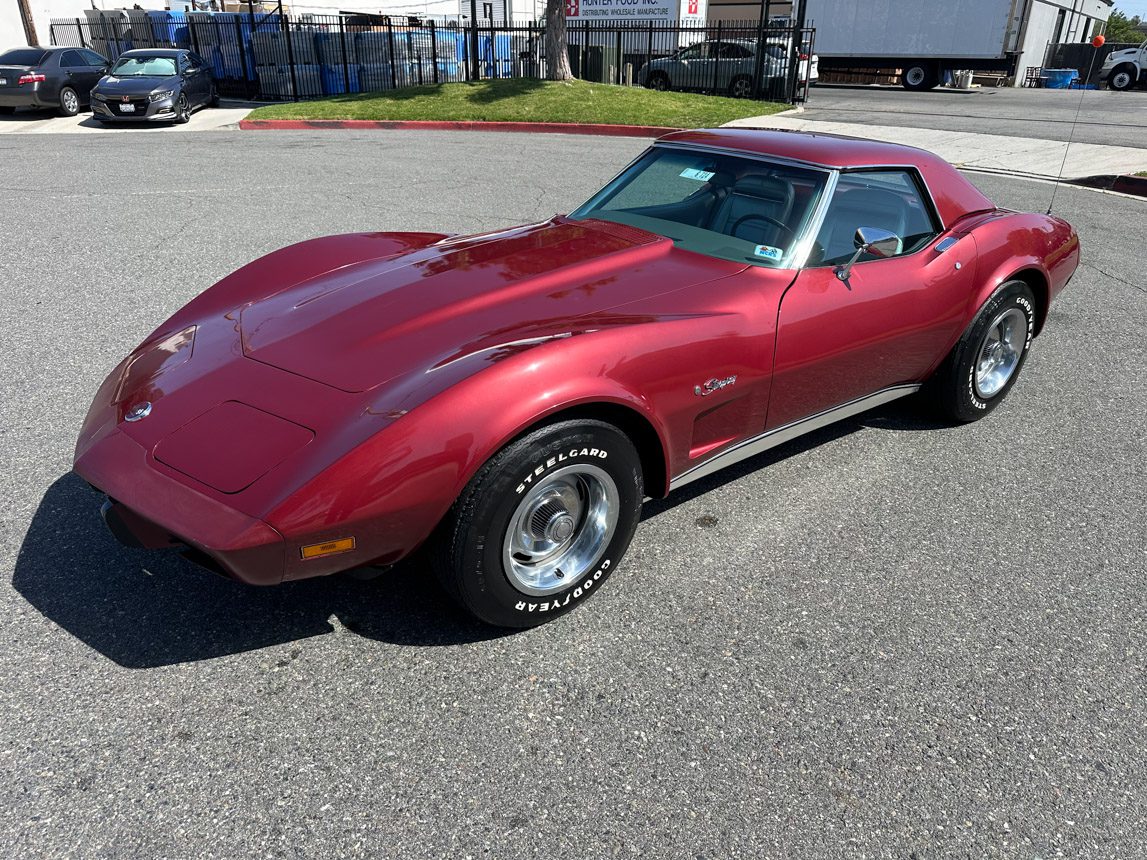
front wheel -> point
(985, 363)
(182, 110)
(7, 111)
(69, 102)
(1122, 78)
(542, 525)
(659, 81)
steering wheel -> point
(759, 217)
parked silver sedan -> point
(727, 66)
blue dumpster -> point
(1060, 79)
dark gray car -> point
(58, 78)
(154, 85)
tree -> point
(557, 51)
(1120, 28)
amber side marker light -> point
(317, 550)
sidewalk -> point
(1019, 155)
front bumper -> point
(108, 111)
(148, 509)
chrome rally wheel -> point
(560, 529)
(1000, 352)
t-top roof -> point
(953, 195)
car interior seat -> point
(757, 194)
(859, 207)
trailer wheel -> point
(920, 76)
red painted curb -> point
(460, 125)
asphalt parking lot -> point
(1105, 117)
(891, 639)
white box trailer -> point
(922, 38)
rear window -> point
(22, 57)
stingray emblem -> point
(712, 385)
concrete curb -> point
(460, 125)
(1124, 184)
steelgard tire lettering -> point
(523, 606)
(537, 471)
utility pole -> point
(29, 24)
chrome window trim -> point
(756, 156)
(804, 244)
(779, 435)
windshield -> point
(728, 206)
(144, 67)
(22, 57)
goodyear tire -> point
(985, 363)
(541, 526)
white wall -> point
(11, 30)
(1080, 17)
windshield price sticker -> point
(768, 252)
(699, 175)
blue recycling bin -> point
(335, 79)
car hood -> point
(110, 85)
(359, 326)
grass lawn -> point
(527, 100)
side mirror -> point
(871, 240)
(877, 242)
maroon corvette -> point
(508, 399)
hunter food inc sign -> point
(665, 9)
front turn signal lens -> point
(318, 550)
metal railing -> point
(281, 57)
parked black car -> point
(154, 85)
(59, 78)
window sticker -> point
(699, 175)
(768, 252)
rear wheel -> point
(985, 363)
(920, 76)
(1123, 78)
(7, 111)
(214, 100)
(69, 102)
(542, 525)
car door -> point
(891, 322)
(692, 64)
(97, 66)
(734, 61)
(201, 77)
(75, 74)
